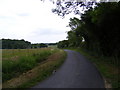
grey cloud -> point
(48, 31)
(23, 14)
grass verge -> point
(39, 73)
(107, 66)
(18, 61)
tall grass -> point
(39, 72)
(17, 61)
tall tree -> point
(99, 27)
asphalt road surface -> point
(76, 72)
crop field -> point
(18, 61)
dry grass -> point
(38, 72)
(17, 61)
(14, 58)
(21, 79)
(14, 54)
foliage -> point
(62, 44)
(39, 45)
(20, 44)
(51, 43)
(15, 44)
(64, 7)
(97, 30)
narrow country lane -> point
(76, 72)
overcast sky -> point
(31, 20)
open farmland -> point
(17, 61)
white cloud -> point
(31, 20)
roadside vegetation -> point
(96, 34)
(107, 66)
(26, 67)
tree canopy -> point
(64, 7)
(97, 30)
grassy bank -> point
(17, 61)
(108, 67)
(39, 70)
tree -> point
(106, 18)
(63, 44)
(42, 45)
(99, 27)
(15, 44)
(39, 45)
(99, 24)
(64, 7)
(74, 37)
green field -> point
(15, 62)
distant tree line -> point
(98, 30)
(39, 45)
(51, 43)
(20, 44)
(15, 44)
